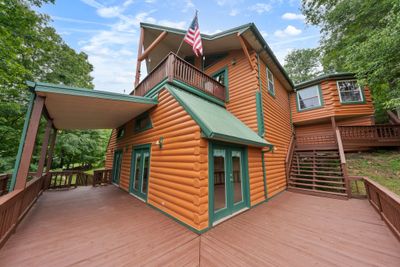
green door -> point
(117, 166)
(140, 168)
(229, 181)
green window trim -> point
(224, 71)
(270, 79)
(138, 128)
(320, 97)
(362, 101)
(260, 114)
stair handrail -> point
(393, 118)
(343, 161)
(289, 156)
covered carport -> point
(69, 108)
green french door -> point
(229, 180)
(117, 166)
(140, 167)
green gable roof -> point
(215, 121)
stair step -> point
(319, 186)
(317, 181)
(317, 156)
(317, 163)
(294, 169)
(320, 176)
(337, 167)
(319, 191)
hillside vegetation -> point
(382, 166)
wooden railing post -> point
(343, 161)
(170, 67)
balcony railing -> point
(370, 134)
(175, 68)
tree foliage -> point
(361, 37)
(31, 50)
(303, 64)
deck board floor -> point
(107, 227)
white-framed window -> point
(349, 91)
(270, 79)
(309, 97)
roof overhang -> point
(212, 44)
(325, 77)
(78, 108)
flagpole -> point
(179, 48)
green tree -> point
(303, 64)
(361, 37)
(32, 50)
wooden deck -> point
(107, 227)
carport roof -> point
(79, 108)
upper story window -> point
(220, 77)
(308, 98)
(349, 92)
(271, 85)
(142, 123)
(120, 132)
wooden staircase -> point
(317, 172)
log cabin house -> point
(203, 139)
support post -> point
(29, 143)
(139, 62)
(45, 145)
(51, 151)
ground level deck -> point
(107, 227)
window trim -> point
(271, 92)
(226, 82)
(320, 97)
(141, 116)
(362, 101)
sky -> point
(108, 30)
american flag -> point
(193, 37)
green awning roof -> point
(215, 121)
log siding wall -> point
(331, 105)
(178, 180)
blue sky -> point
(108, 30)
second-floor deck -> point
(176, 68)
(105, 226)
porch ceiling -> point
(76, 108)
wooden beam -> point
(246, 52)
(51, 151)
(29, 144)
(138, 63)
(45, 145)
(153, 45)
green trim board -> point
(215, 121)
(329, 76)
(223, 70)
(22, 142)
(320, 95)
(260, 114)
(264, 174)
(230, 206)
(73, 91)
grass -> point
(382, 166)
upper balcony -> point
(174, 68)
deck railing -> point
(386, 203)
(102, 177)
(374, 133)
(67, 179)
(14, 206)
(174, 67)
(5, 179)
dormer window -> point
(350, 92)
(309, 98)
(271, 85)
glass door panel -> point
(145, 176)
(117, 166)
(137, 166)
(140, 167)
(237, 180)
(219, 179)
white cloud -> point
(260, 8)
(293, 16)
(109, 12)
(211, 32)
(234, 12)
(189, 6)
(288, 31)
(173, 24)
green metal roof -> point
(323, 77)
(215, 121)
